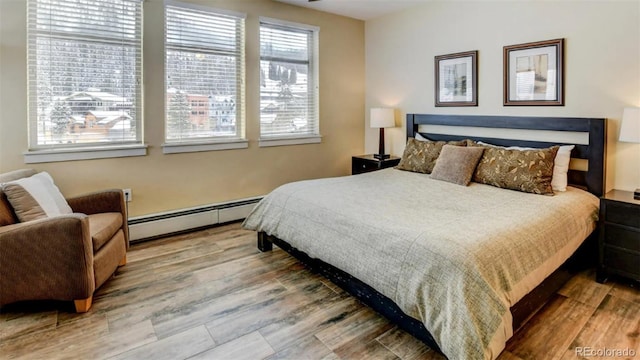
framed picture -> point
(534, 73)
(457, 79)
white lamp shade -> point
(630, 128)
(382, 118)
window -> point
(288, 82)
(204, 75)
(84, 65)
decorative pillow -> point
(559, 180)
(523, 170)
(453, 142)
(458, 142)
(35, 197)
(420, 156)
(456, 164)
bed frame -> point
(591, 180)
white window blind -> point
(85, 73)
(288, 80)
(204, 74)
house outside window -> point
(205, 78)
(85, 74)
(288, 83)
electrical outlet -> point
(128, 196)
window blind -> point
(204, 73)
(85, 72)
(288, 80)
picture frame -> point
(456, 79)
(534, 74)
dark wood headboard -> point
(595, 152)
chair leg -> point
(83, 305)
(123, 261)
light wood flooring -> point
(212, 295)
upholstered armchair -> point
(65, 257)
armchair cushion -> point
(35, 197)
(103, 227)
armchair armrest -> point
(46, 259)
(99, 202)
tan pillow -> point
(523, 170)
(456, 164)
(420, 156)
(35, 197)
(7, 216)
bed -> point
(443, 261)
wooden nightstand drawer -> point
(366, 163)
(366, 166)
(620, 260)
(623, 214)
(622, 237)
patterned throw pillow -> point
(559, 180)
(421, 156)
(523, 170)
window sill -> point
(87, 153)
(283, 141)
(207, 146)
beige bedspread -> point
(454, 257)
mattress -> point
(454, 257)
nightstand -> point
(619, 241)
(366, 163)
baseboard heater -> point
(152, 226)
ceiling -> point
(358, 9)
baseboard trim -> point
(153, 226)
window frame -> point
(314, 88)
(222, 142)
(42, 153)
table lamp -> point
(382, 118)
(630, 131)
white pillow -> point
(421, 138)
(35, 197)
(559, 179)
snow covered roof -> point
(97, 95)
(78, 119)
(105, 117)
(122, 125)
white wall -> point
(602, 67)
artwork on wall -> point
(534, 73)
(457, 79)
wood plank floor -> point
(212, 295)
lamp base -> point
(636, 194)
(381, 156)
